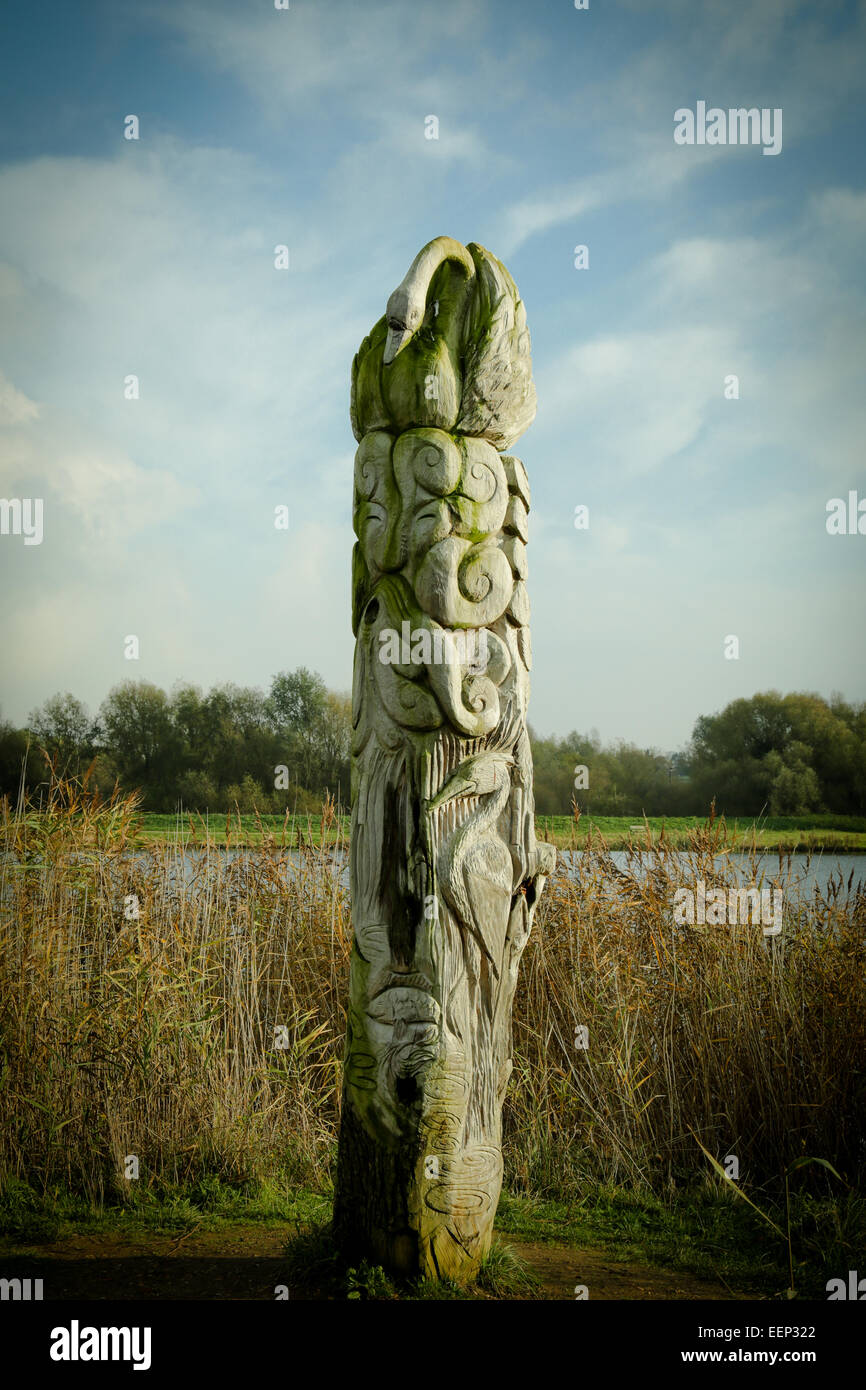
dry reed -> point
(186, 1006)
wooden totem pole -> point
(445, 869)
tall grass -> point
(182, 1007)
(755, 1046)
(186, 1006)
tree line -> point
(772, 754)
(234, 747)
(288, 748)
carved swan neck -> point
(407, 305)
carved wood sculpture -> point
(445, 869)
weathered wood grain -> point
(445, 868)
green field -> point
(842, 834)
(801, 833)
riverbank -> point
(841, 834)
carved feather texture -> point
(499, 399)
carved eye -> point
(371, 612)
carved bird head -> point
(404, 314)
(408, 304)
(477, 775)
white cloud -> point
(641, 397)
(381, 51)
(158, 261)
(15, 407)
(650, 177)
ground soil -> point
(247, 1262)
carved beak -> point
(398, 336)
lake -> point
(806, 871)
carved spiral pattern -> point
(443, 851)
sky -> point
(307, 127)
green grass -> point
(505, 1274)
(28, 1217)
(842, 834)
(705, 1232)
(238, 830)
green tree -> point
(314, 728)
(141, 738)
(15, 760)
(297, 700)
(794, 789)
(63, 727)
(757, 754)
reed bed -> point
(753, 1046)
(185, 1007)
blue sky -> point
(306, 128)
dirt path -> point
(239, 1262)
(562, 1268)
(247, 1262)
